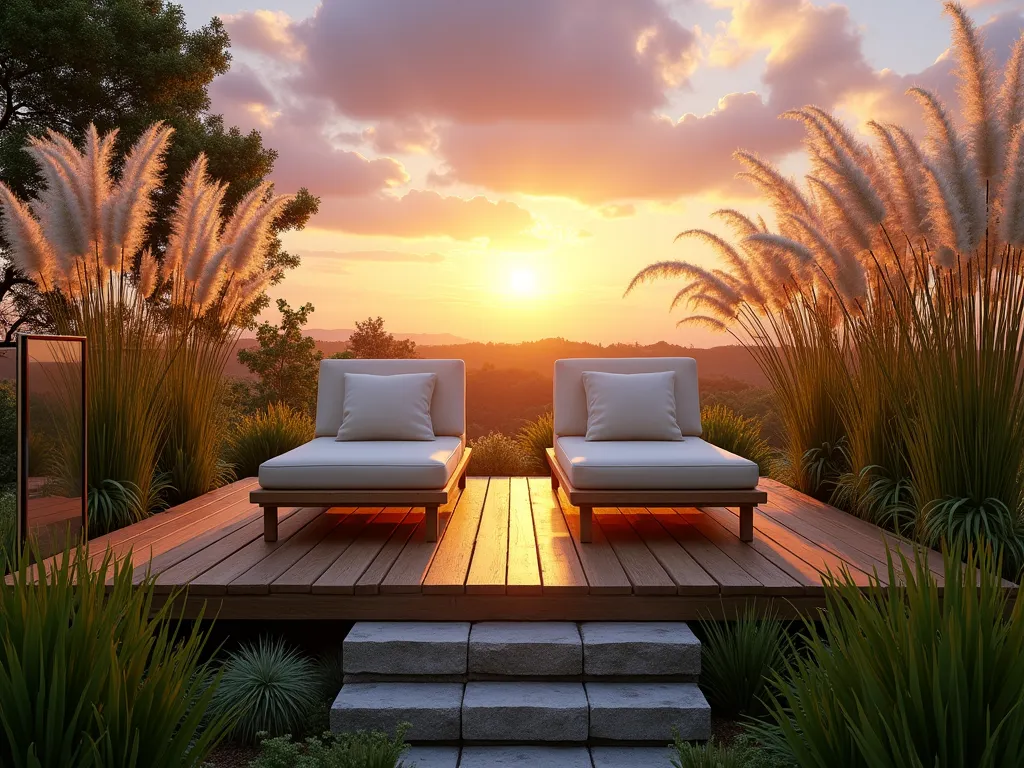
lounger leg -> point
(554, 480)
(462, 482)
(270, 523)
(431, 511)
(746, 522)
(586, 524)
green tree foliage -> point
(370, 341)
(286, 362)
(121, 64)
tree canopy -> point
(371, 341)
(123, 64)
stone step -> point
(433, 710)
(640, 649)
(525, 712)
(525, 757)
(525, 649)
(539, 757)
(648, 712)
(390, 649)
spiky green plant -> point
(708, 755)
(738, 660)
(272, 684)
(498, 454)
(94, 676)
(349, 750)
(907, 675)
(267, 433)
(113, 505)
(737, 434)
(536, 437)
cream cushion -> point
(570, 398)
(687, 464)
(447, 407)
(327, 464)
(390, 407)
(631, 406)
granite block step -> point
(525, 712)
(640, 649)
(433, 710)
(381, 650)
(525, 649)
(648, 712)
(525, 757)
(432, 757)
(629, 757)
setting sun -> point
(522, 282)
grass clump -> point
(273, 687)
(497, 454)
(8, 529)
(268, 433)
(904, 676)
(351, 750)
(738, 661)
(737, 434)
(535, 438)
(92, 676)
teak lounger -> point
(683, 471)
(374, 469)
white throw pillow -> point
(631, 406)
(395, 407)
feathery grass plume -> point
(1011, 224)
(31, 251)
(731, 257)
(96, 159)
(800, 259)
(1011, 95)
(740, 225)
(58, 206)
(952, 159)
(185, 216)
(149, 269)
(206, 233)
(977, 91)
(852, 230)
(783, 193)
(947, 216)
(901, 163)
(130, 205)
(248, 231)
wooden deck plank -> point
(641, 566)
(605, 575)
(217, 580)
(489, 567)
(560, 568)
(232, 539)
(410, 568)
(369, 583)
(731, 578)
(447, 571)
(818, 557)
(341, 577)
(300, 577)
(686, 572)
(775, 580)
(523, 566)
(256, 580)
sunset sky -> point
(499, 170)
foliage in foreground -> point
(354, 750)
(8, 528)
(273, 687)
(738, 661)
(497, 454)
(743, 752)
(905, 677)
(737, 434)
(266, 434)
(535, 438)
(91, 677)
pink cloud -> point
(479, 62)
(601, 162)
(421, 213)
(268, 32)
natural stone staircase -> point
(594, 695)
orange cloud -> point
(268, 32)
(422, 258)
(427, 214)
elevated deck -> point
(509, 549)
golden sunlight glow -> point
(522, 282)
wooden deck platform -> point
(510, 549)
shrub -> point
(535, 438)
(906, 676)
(710, 755)
(8, 433)
(738, 659)
(498, 454)
(355, 750)
(113, 505)
(8, 529)
(266, 434)
(272, 685)
(92, 676)
(737, 434)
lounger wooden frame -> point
(586, 500)
(428, 498)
